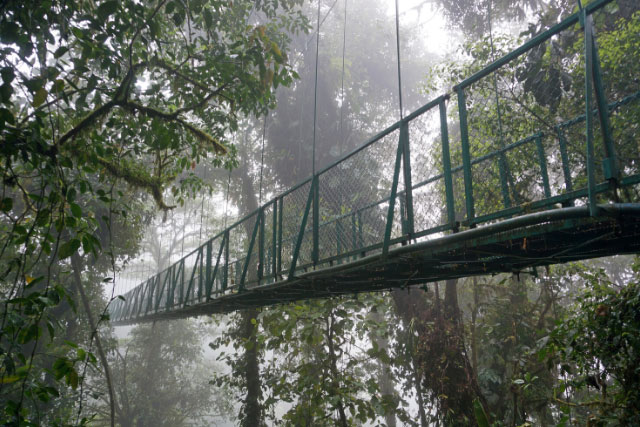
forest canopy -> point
(132, 131)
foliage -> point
(597, 347)
(162, 380)
(101, 101)
(322, 363)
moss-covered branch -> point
(137, 177)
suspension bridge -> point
(484, 179)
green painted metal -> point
(200, 273)
(372, 220)
(591, 177)
(274, 241)
(247, 259)
(208, 282)
(392, 198)
(446, 163)
(168, 278)
(315, 189)
(217, 267)
(280, 219)
(466, 154)
(408, 217)
(303, 226)
(184, 297)
(535, 41)
(225, 280)
(261, 247)
(610, 163)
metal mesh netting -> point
(526, 134)
(427, 179)
(529, 95)
(269, 241)
(239, 240)
(352, 195)
(293, 206)
(618, 42)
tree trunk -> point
(461, 386)
(77, 266)
(333, 361)
(248, 333)
(440, 354)
(407, 308)
(387, 389)
(249, 327)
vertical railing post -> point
(216, 268)
(261, 246)
(208, 280)
(446, 165)
(274, 241)
(249, 252)
(225, 280)
(303, 225)
(158, 293)
(408, 223)
(152, 287)
(315, 254)
(466, 155)
(201, 271)
(392, 199)
(141, 297)
(610, 163)
(591, 178)
(184, 298)
(542, 158)
(279, 248)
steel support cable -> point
(398, 55)
(504, 168)
(264, 131)
(226, 202)
(315, 94)
(306, 44)
(202, 209)
(344, 43)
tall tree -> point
(101, 91)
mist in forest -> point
(550, 345)
(357, 359)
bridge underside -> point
(514, 245)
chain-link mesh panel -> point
(617, 36)
(616, 31)
(429, 193)
(269, 239)
(353, 185)
(527, 96)
(525, 163)
(239, 240)
(293, 207)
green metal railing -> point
(400, 188)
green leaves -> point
(6, 204)
(69, 248)
(481, 415)
(39, 97)
(107, 9)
